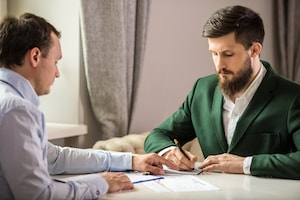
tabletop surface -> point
(231, 187)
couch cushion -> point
(135, 143)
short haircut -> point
(244, 22)
(18, 35)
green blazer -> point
(268, 130)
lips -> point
(224, 72)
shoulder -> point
(206, 83)
(277, 82)
(286, 83)
(10, 103)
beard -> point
(239, 80)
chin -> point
(44, 93)
(47, 92)
(223, 79)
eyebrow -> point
(224, 51)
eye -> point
(214, 53)
(228, 54)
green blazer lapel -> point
(217, 108)
(259, 101)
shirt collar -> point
(20, 85)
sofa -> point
(135, 143)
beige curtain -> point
(113, 39)
(287, 33)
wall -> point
(63, 103)
(176, 55)
(3, 8)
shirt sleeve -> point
(247, 165)
(163, 151)
(91, 186)
(67, 160)
(27, 159)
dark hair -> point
(17, 36)
(244, 22)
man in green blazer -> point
(246, 117)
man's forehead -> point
(223, 43)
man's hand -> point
(150, 163)
(181, 162)
(117, 181)
(226, 163)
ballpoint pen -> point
(181, 149)
(146, 180)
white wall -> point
(176, 54)
(3, 8)
(63, 103)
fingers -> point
(153, 163)
(117, 181)
(155, 170)
(159, 161)
(180, 160)
(227, 163)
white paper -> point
(196, 170)
(179, 183)
(137, 177)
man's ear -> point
(35, 56)
(256, 49)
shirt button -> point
(97, 192)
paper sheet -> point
(137, 177)
(196, 170)
(179, 183)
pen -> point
(146, 180)
(181, 149)
(146, 173)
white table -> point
(61, 130)
(232, 187)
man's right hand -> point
(117, 181)
(177, 158)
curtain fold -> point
(113, 39)
(287, 34)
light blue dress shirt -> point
(27, 159)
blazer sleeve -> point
(178, 125)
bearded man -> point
(245, 117)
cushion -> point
(135, 143)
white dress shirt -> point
(233, 111)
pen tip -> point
(176, 141)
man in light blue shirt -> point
(29, 52)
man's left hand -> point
(227, 163)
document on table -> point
(180, 183)
(195, 171)
(137, 177)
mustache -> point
(224, 71)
